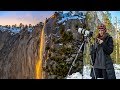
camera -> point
(86, 33)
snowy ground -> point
(86, 73)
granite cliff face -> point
(19, 53)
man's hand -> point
(99, 41)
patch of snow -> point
(58, 36)
(76, 75)
(63, 19)
(13, 30)
(68, 18)
(116, 66)
(73, 15)
(30, 29)
(64, 23)
(60, 44)
(117, 70)
(65, 12)
(86, 73)
(68, 29)
(117, 73)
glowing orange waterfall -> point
(39, 61)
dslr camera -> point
(86, 33)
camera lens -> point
(91, 34)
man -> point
(100, 54)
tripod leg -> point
(75, 59)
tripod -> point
(83, 44)
(75, 58)
(91, 60)
(73, 63)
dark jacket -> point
(100, 57)
(107, 47)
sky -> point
(115, 14)
(25, 17)
(33, 17)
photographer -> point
(100, 54)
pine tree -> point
(62, 55)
